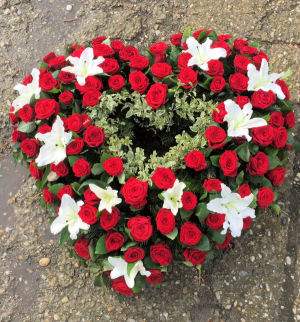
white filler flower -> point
(84, 66)
(54, 149)
(235, 209)
(68, 216)
(27, 91)
(239, 119)
(202, 53)
(120, 268)
(108, 197)
(172, 197)
(261, 79)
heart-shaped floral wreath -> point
(155, 157)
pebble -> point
(69, 7)
(44, 261)
(288, 260)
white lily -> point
(202, 53)
(54, 149)
(68, 216)
(27, 91)
(120, 268)
(239, 119)
(84, 66)
(261, 79)
(172, 197)
(235, 209)
(108, 197)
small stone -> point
(69, 7)
(252, 258)
(44, 261)
(288, 260)
(65, 300)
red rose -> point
(165, 221)
(94, 136)
(45, 108)
(290, 120)
(219, 113)
(74, 122)
(114, 241)
(228, 163)
(222, 44)
(280, 137)
(35, 172)
(98, 40)
(140, 228)
(258, 164)
(217, 84)
(240, 63)
(138, 81)
(195, 160)
(215, 221)
(194, 256)
(276, 119)
(244, 190)
(103, 50)
(60, 169)
(215, 68)
(48, 57)
(183, 59)
(117, 45)
(88, 214)
(257, 59)
(261, 99)
(113, 166)
(66, 77)
(176, 39)
(66, 97)
(138, 62)
(265, 197)
(187, 77)
(44, 128)
(30, 147)
(91, 98)
(155, 278)
(81, 248)
(116, 82)
(128, 52)
(158, 48)
(81, 167)
(90, 198)
(48, 196)
(57, 62)
(238, 82)
(119, 285)
(135, 192)
(26, 113)
(47, 82)
(212, 185)
(189, 200)
(242, 100)
(66, 189)
(110, 66)
(92, 83)
(161, 254)
(226, 243)
(284, 88)
(161, 70)
(190, 234)
(75, 146)
(263, 135)
(18, 136)
(215, 137)
(247, 223)
(109, 220)
(163, 178)
(134, 254)
(249, 50)
(277, 176)
(157, 95)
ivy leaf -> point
(204, 244)
(201, 211)
(173, 234)
(100, 246)
(26, 127)
(97, 169)
(243, 152)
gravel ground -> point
(258, 280)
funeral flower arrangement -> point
(155, 157)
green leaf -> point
(121, 178)
(201, 211)
(217, 237)
(215, 160)
(240, 178)
(130, 267)
(276, 208)
(173, 234)
(72, 159)
(187, 33)
(274, 162)
(54, 188)
(75, 186)
(27, 127)
(128, 245)
(98, 281)
(89, 181)
(253, 148)
(260, 181)
(185, 215)
(100, 246)
(92, 252)
(204, 244)
(64, 236)
(40, 184)
(97, 169)
(243, 152)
